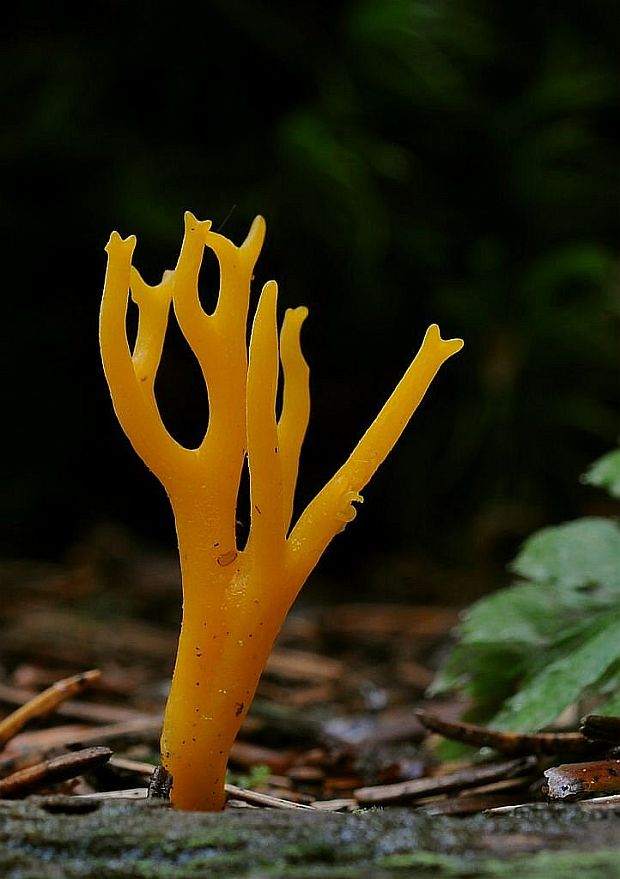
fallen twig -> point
(514, 744)
(90, 712)
(45, 702)
(573, 780)
(138, 767)
(133, 793)
(343, 804)
(460, 780)
(467, 805)
(257, 799)
(601, 728)
(145, 728)
(602, 803)
(25, 781)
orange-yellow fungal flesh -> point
(234, 600)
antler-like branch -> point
(153, 308)
(295, 406)
(218, 341)
(266, 539)
(131, 377)
(194, 323)
(332, 508)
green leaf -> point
(561, 683)
(508, 636)
(605, 473)
(577, 555)
(552, 638)
(484, 671)
(517, 615)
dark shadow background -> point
(416, 160)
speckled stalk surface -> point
(48, 839)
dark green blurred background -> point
(416, 160)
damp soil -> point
(335, 712)
(67, 838)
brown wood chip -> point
(41, 775)
(574, 780)
(407, 791)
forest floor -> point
(334, 774)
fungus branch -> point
(332, 508)
(130, 375)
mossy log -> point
(67, 838)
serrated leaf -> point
(519, 614)
(543, 698)
(506, 637)
(577, 556)
(605, 473)
(555, 634)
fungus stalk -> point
(234, 600)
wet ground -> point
(335, 713)
(59, 839)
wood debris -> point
(42, 703)
(515, 744)
(89, 712)
(601, 728)
(144, 728)
(133, 793)
(255, 798)
(573, 780)
(475, 776)
(344, 804)
(334, 726)
(42, 775)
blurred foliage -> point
(605, 473)
(527, 652)
(449, 160)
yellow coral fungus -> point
(234, 600)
